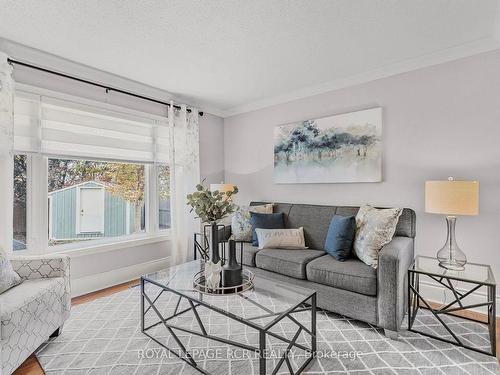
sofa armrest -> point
(41, 266)
(393, 262)
(46, 266)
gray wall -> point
(437, 122)
(211, 148)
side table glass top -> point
(265, 302)
(473, 272)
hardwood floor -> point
(32, 367)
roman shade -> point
(64, 128)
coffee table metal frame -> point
(416, 301)
(307, 304)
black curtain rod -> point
(107, 88)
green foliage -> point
(164, 182)
(123, 179)
(211, 206)
(20, 176)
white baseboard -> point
(92, 283)
(435, 293)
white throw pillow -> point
(8, 277)
(241, 228)
(374, 229)
(281, 238)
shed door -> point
(91, 210)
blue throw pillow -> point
(265, 221)
(340, 236)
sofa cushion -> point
(265, 221)
(241, 227)
(352, 274)
(314, 219)
(374, 229)
(405, 227)
(286, 262)
(281, 238)
(340, 236)
(284, 208)
(249, 252)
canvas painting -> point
(336, 149)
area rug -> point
(104, 337)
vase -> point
(231, 272)
(451, 256)
(214, 240)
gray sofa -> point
(351, 288)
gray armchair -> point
(34, 310)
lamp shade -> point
(223, 188)
(452, 197)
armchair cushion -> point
(8, 277)
(30, 313)
(33, 310)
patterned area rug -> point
(104, 337)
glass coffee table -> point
(172, 310)
(461, 286)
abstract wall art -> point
(335, 149)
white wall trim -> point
(435, 293)
(109, 244)
(92, 283)
(435, 58)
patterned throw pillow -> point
(281, 238)
(374, 229)
(8, 277)
(241, 227)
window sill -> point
(78, 249)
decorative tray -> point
(247, 284)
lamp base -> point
(451, 256)
(451, 265)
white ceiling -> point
(230, 56)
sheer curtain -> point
(6, 147)
(185, 175)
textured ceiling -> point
(225, 55)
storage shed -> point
(89, 210)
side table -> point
(474, 277)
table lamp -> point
(222, 188)
(452, 198)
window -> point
(20, 200)
(94, 199)
(164, 196)
(95, 172)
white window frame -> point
(37, 207)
